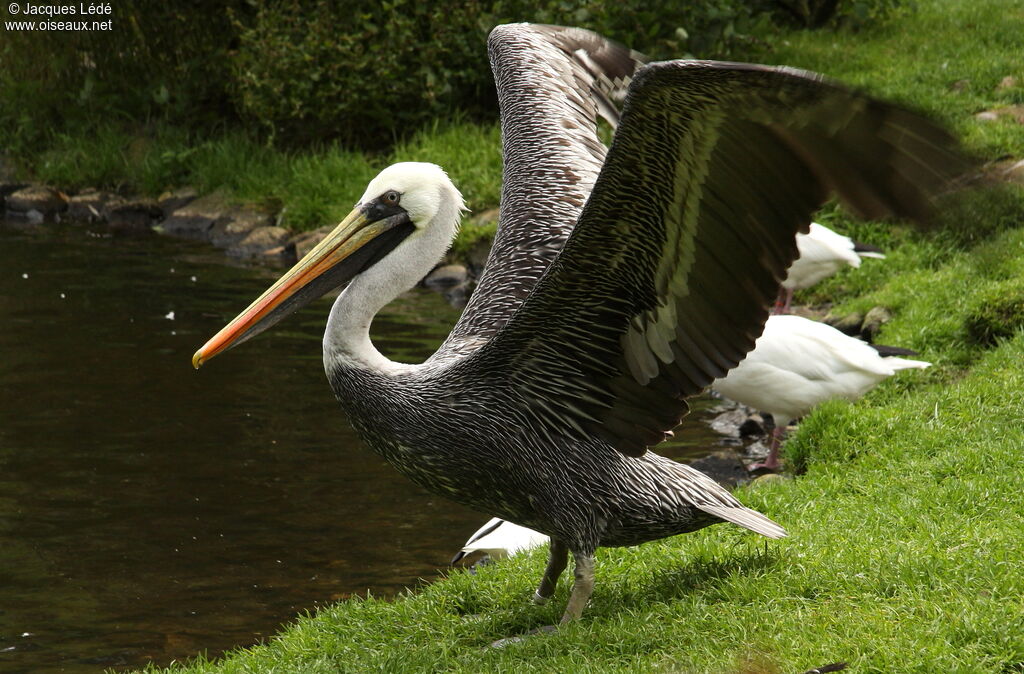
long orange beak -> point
(321, 270)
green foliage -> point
(304, 74)
(370, 74)
(158, 59)
(818, 13)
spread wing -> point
(663, 284)
(552, 84)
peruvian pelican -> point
(620, 281)
(822, 253)
(798, 363)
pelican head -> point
(406, 219)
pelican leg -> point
(582, 587)
(558, 557)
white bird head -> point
(405, 220)
(418, 188)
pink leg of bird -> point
(771, 462)
(777, 309)
(783, 301)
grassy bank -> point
(316, 187)
(905, 540)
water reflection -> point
(151, 512)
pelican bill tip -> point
(198, 359)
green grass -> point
(918, 58)
(314, 187)
(904, 555)
(905, 543)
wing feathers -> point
(664, 283)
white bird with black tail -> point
(499, 539)
(620, 281)
(823, 252)
(799, 363)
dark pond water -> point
(149, 512)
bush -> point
(334, 70)
(306, 73)
(159, 59)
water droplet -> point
(24, 276)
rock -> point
(133, 216)
(477, 254)
(304, 242)
(235, 225)
(46, 200)
(849, 324)
(1014, 112)
(88, 206)
(873, 322)
(446, 276)
(34, 216)
(9, 187)
(724, 467)
(770, 478)
(1015, 172)
(729, 422)
(259, 241)
(754, 425)
(960, 85)
(195, 219)
(1007, 82)
(1008, 170)
(175, 199)
(485, 217)
(458, 296)
(279, 255)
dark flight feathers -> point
(664, 282)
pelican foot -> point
(546, 629)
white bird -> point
(797, 363)
(500, 539)
(823, 252)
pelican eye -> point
(391, 198)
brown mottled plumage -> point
(620, 281)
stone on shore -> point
(235, 225)
(446, 276)
(724, 467)
(135, 216)
(45, 200)
(175, 199)
(195, 219)
(89, 206)
(306, 241)
(259, 241)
